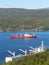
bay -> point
(15, 44)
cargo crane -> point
(24, 51)
(39, 49)
(12, 53)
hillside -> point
(18, 12)
(17, 19)
(38, 59)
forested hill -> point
(18, 19)
(18, 12)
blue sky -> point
(28, 4)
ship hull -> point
(13, 37)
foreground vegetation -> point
(38, 59)
(15, 19)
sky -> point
(27, 4)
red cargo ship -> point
(22, 36)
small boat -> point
(22, 36)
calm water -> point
(15, 44)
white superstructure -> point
(27, 34)
(7, 59)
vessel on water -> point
(22, 36)
(32, 51)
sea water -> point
(15, 44)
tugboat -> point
(22, 36)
